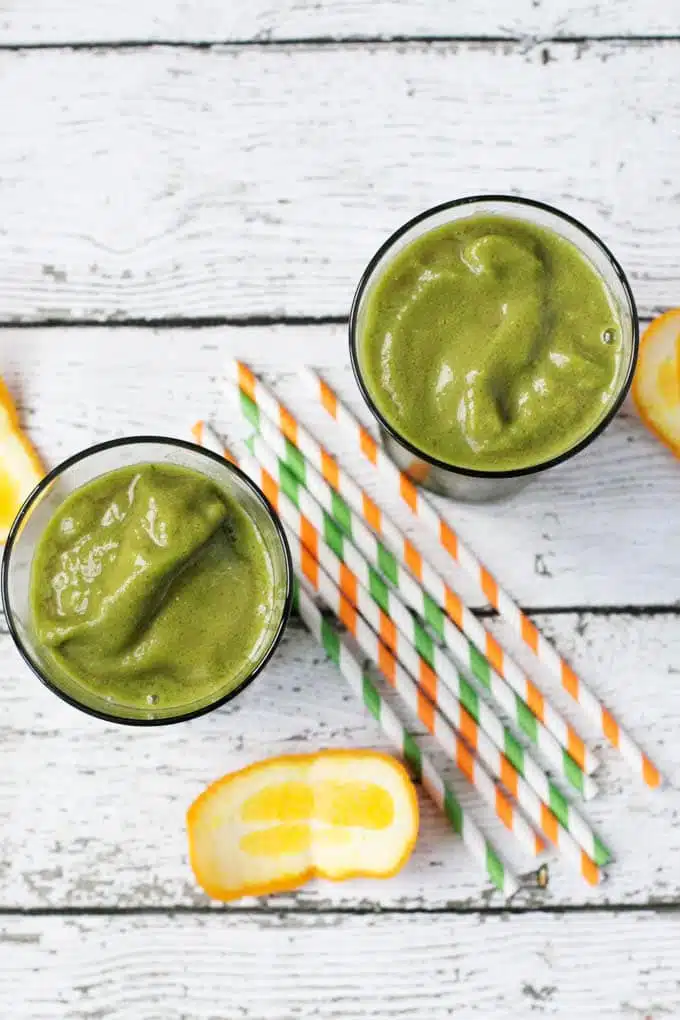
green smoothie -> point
(491, 344)
(150, 587)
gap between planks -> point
(339, 41)
(208, 321)
(651, 906)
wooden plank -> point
(65, 21)
(255, 181)
(596, 531)
(92, 815)
(333, 966)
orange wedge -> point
(656, 386)
(276, 824)
(20, 467)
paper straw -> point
(421, 701)
(429, 660)
(499, 598)
(403, 636)
(341, 569)
(481, 641)
(411, 592)
(422, 766)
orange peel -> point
(656, 386)
(276, 824)
(20, 467)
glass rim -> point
(476, 472)
(55, 473)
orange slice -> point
(656, 386)
(276, 824)
(20, 467)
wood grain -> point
(65, 21)
(332, 966)
(258, 181)
(253, 181)
(92, 815)
(597, 531)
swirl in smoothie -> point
(491, 344)
(151, 586)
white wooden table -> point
(182, 182)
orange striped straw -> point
(422, 766)
(388, 664)
(501, 601)
(322, 504)
(487, 660)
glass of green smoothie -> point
(146, 580)
(492, 338)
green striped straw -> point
(336, 537)
(423, 658)
(366, 509)
(421, 765)
(336, 577)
